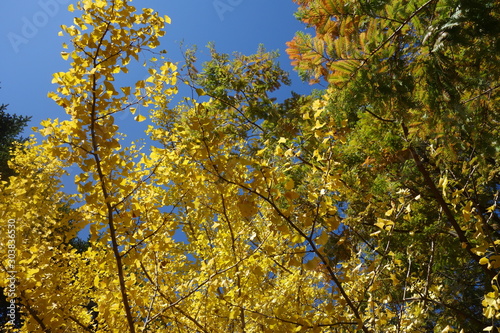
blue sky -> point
(31, 48)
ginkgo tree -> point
(110, 188)
(369, 206)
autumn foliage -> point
(368, 206)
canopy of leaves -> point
(368, 206)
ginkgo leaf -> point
(484, 261)
(32, 271)
(290, 184)
(139, 118)
(384, 224)
(322, 239)
(292, 195)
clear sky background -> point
(30, 46)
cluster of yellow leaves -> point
(258, 248)
(43, 263)
(114, 194)
(244, 260)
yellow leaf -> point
(317, 114)
(31, 272)
(247, 207)
(126, 90)
(384, 224)
(394, 279)
(312, 264)
(139, 118)
(489, 312)
(292, 195)
(332, 223)
(322, 239)
(494, 261)
(278, 151)
(318, 125)
(447, 329)
(290, 184)
(262, 151)
(233, 314)
(484, 261)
